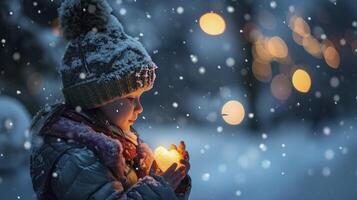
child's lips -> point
(132, 121)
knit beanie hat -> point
(101, 62)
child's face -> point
(124, 111)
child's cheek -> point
(129, 107)
(126, 111)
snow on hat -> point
(101, 62)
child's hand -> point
(184, 155)
(172, 175)
(146, 157)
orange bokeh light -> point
(212, 23)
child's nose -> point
(138, 107)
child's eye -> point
(130, 98)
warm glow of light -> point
(260, 50)
(325, 44)
(281, 87)
(312, 46)
(299, 26)
(297, 38)
(165, 158)
(233, 112)
(332, 57)
(301, 81)
(277, 47)
(212, 24)
(262, 71)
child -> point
(87, 147)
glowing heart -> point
(165, 158)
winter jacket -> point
(76, 157)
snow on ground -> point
(290, 162)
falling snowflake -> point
(82, 75)
(230, 62)
(323, 37)
(205, 177)
(247, 17)
(122, 11)
(318, 94)
(27, 145)
(207, 146)
(263, 147)
(175, 104)
(212, 117)
(180, 10)
(336, 98)
(230, 9)
(78, 109)
(354, 24)
(266, 164)
(273, 4)
(8, 124)
(194, 58)
(54, 174)
(238, 193)
(334, 82)
(329, 154)
(16, 56)
(201, 70)
(92, 8)
(326, 171)
(264, 136)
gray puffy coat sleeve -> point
(79, 174)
